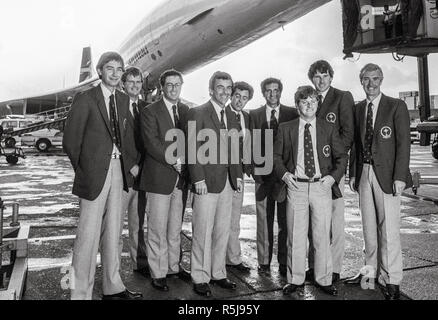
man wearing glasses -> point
(164, 181)
(310, 158)
(379, 172)
(134, 201)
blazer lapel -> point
(330, 96)
(362, 120)
(379, 116)
(165, 115)
(320, 141)
(294, 134)
(102, 107)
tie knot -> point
(273, 112)
(222, 112)
(134, 105)
(111, 98)
(307, 126)
(174, 108)
(320, 98)
(238, 116)
(370, 105)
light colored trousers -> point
(381, 228)
(337, 233)
(134, 202)
(314, 201)
(164, 232)
(99, 225)
(233, 249)
(211, 228)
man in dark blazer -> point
(164, 180)
(95, 140)
(310, 158)
(265, 118)
(211, 175)
(379, 171)
(239, 120)
(335, 107)
(134, 201)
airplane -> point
(184, 35)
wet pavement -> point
(41, 184)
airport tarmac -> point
(41, 184)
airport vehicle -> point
(42, 139)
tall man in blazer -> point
(239, 120)
(94, 140)
(134, 201)
(379, 171)
(335, 107)
(164, 181)
(310, 158)
(211, 174)
(268, 117)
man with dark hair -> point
(268, 117)
(379, 171)
(95, 141)
(310, 158)
(165, 182)
(238, 119)
(213, 187)
(134, 201)
(336, 108)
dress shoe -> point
(264, 268)
(335, 277)
(124, 295)
(224, 283)
(357, 279)
(282, 268)
(310, 276)
(392, 292)
(144, 272)
(182, 274)
(291, 288)
(330, 289)
(160, 284)
(202, 289)
(240, 267)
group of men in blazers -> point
(124, 157)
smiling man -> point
(213, 187)
(379, 171)
(94, 140)
(335, 107)
(310, 158)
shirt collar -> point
(304, 122)
(169, 104)
(133, 101)
(106, 92)
(216, 106)
(376, 100)
(324, 93)
(236, 112)
(277, 108)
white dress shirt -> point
(323, 94)
(169, 106)
(131, 108)
(218, 110)
(376, 103)
(300, 169)
(269, 112)
(106, 95)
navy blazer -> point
(391, 148)
(157, 175)
(88, 143)
(332, 156)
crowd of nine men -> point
(118, 147)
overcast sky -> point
(41, 44)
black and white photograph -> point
(215, 156)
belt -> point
(116, 156)
(308, 180)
